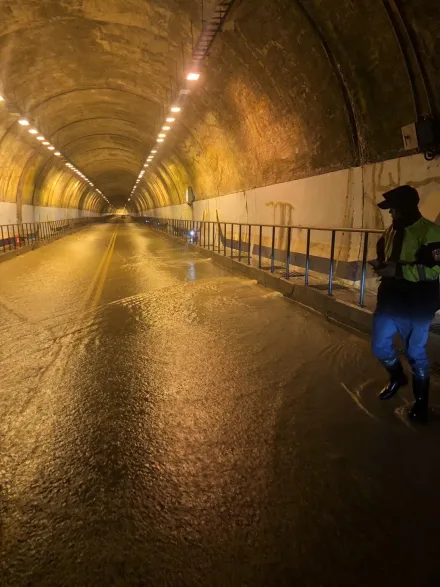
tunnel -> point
(189, 201)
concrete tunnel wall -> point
(297, 116)
(35, 185)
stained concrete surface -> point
(190, 428)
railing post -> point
(260, 247)
(209, 235)
(250, 244)
(239, 242)
(332, 263)
(218, 237)
(306, 280)
(204, 234)
(272, 256)
(3, 241)
(364, 271)
(289, 238)
(232, 240)
(224, 236)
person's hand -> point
(386, 270)
(428, 255)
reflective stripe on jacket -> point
(422, 232)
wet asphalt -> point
(166, 423)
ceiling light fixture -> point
(160, 140)
(193, 76)
(23, 122)
(170, 119)
(46, 143)
(166, 127)
(40, 138)
(175, 109)
(33, 131)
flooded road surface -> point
(165, 423)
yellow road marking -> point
(104, 273)
(97, 274)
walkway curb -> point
(34, 246)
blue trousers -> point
(414, 333)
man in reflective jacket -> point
(408, 261)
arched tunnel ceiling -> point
(95, 76)
(292, 88)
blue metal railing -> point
(255, 242)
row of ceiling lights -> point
(175, 110)
(34, 132)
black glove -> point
(425, 255)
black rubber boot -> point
(398, 379)
(419, 411)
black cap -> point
(402, 197)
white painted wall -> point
(8, 213)
(344, 198)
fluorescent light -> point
(51, 148)
(171, 119)
(23, 122)
(154, 151)
(46, 143)
(146, 165)
(160, 140)
(57, 154)
(2, 99)
(40, 138)
(175, 109)
(193, 76)
(166, 127)
(162, 135)
(33, 131)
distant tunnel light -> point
(193, 76)
(33, 131)
(40, 138)
(154, 151)
(51, 148)
(170, 119)
(160, 140)
(175, 109)
(46, 143)
(162, 135)
(23, 122)
(166, 127)
(146, 165)
(57, 154)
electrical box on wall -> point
(190, 196)
(423, 135)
